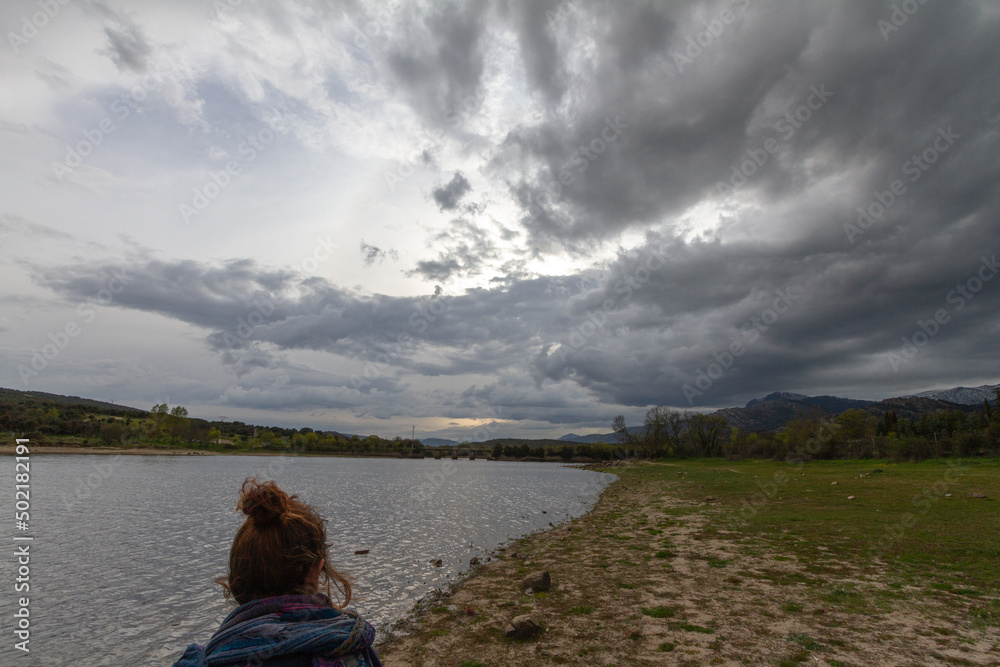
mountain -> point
(44, 400)
(775, 410)
(911, 407)
(829, 404)
(963, 395)
(438, 442)
(609, 438)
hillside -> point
(963, 395)
(27, 400)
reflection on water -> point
(122, 574)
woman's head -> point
(279, 549)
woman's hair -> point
(280, 541)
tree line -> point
(852, 434)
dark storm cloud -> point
(686, 125)
(448, 196)
(803, 112)
(633, 335)
(128, 46)
(437, 60)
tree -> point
(179, 411)
(707, 432)
(662, 430)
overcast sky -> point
(525, 217)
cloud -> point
(371, 254)
(465, 249)
(650, 178)
(127, 46)
(448, 196)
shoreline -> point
(175, 451)
(403, 627)
(658, 572)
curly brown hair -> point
(282, 540)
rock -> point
(544, 512)
(528, 591)
(709, 499)
(436, 562)
(523, 627)
(474, 560)
(527, 562)
(361, 552)
(850, 497)
(834, 483)
(634, 632)
(537, 581)
(977, 495)
(947, 495)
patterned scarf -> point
(287, 631)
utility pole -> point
(413, 433)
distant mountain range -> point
(776, 409)
(438, 442)
(769, 413)
(964, 395)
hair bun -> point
(263, 502)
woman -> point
(277, 566)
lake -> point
(126, 547)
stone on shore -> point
(523, 627)
(436, 562)
(537, 581)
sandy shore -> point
(36, 449)
(644, 580)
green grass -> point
(582, 610)
(666, 647)
(471, 663)
(899, 516)
(688, 627)
(659, 612)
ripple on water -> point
(122, 574)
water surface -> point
(126, 547)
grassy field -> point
(917, 518)
(697, 562)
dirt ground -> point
(645, 579)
